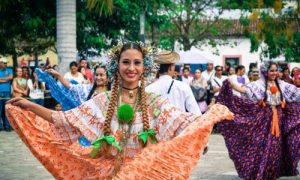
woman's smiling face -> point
(131, 66)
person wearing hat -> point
(177, 92)
(208, 75)
(6, 75)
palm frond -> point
(103, 7)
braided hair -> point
(115, 93)
(276, 82)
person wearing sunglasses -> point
(217, 81)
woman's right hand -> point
(54, 73)
(20, 102)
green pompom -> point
(125, 113)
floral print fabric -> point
(256, 153)
(181, 137)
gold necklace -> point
(130, 91)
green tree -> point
(97, 32)
(278, 27)
(193, 23)
(26, 27)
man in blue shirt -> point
(6, 75)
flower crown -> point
(148, 52)
(264, 67)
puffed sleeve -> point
(169, 120)
(255, 91)
(181, 138)
(290, 92)
(86, 119)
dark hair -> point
(131, 45)
(276, 82)
(82, 59)
(79, 70)
(73, 63)
(33, 79)
(95, 83)
(186, 65)
(25, 67)
(239, 67)
(54, 66)
(186, 68)
(218, 66)
(163, 68)
(87, 62)
(80, 67)
(177, 68)
(252, 65)
(284, 68)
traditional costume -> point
(263, 140)
(122, 140)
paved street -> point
(16, 161)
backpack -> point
(200, 93)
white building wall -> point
(241, 50)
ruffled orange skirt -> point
(172, 159)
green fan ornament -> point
(125, 113)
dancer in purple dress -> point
(264, 139)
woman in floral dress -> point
(263, 140)
(135, 135)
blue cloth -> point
(62, 95)
(58, 92)
(4, 96)
(81, 91)
(5, 86)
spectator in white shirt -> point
(36, 89)
(239, 79)
(74, 74)
(208, 76)
(218, 80)
(177, 92)
(186, 78)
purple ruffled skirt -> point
(256, 153)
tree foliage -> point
(27, 27)
(193, 23)
(278, 27)
(96, 33)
